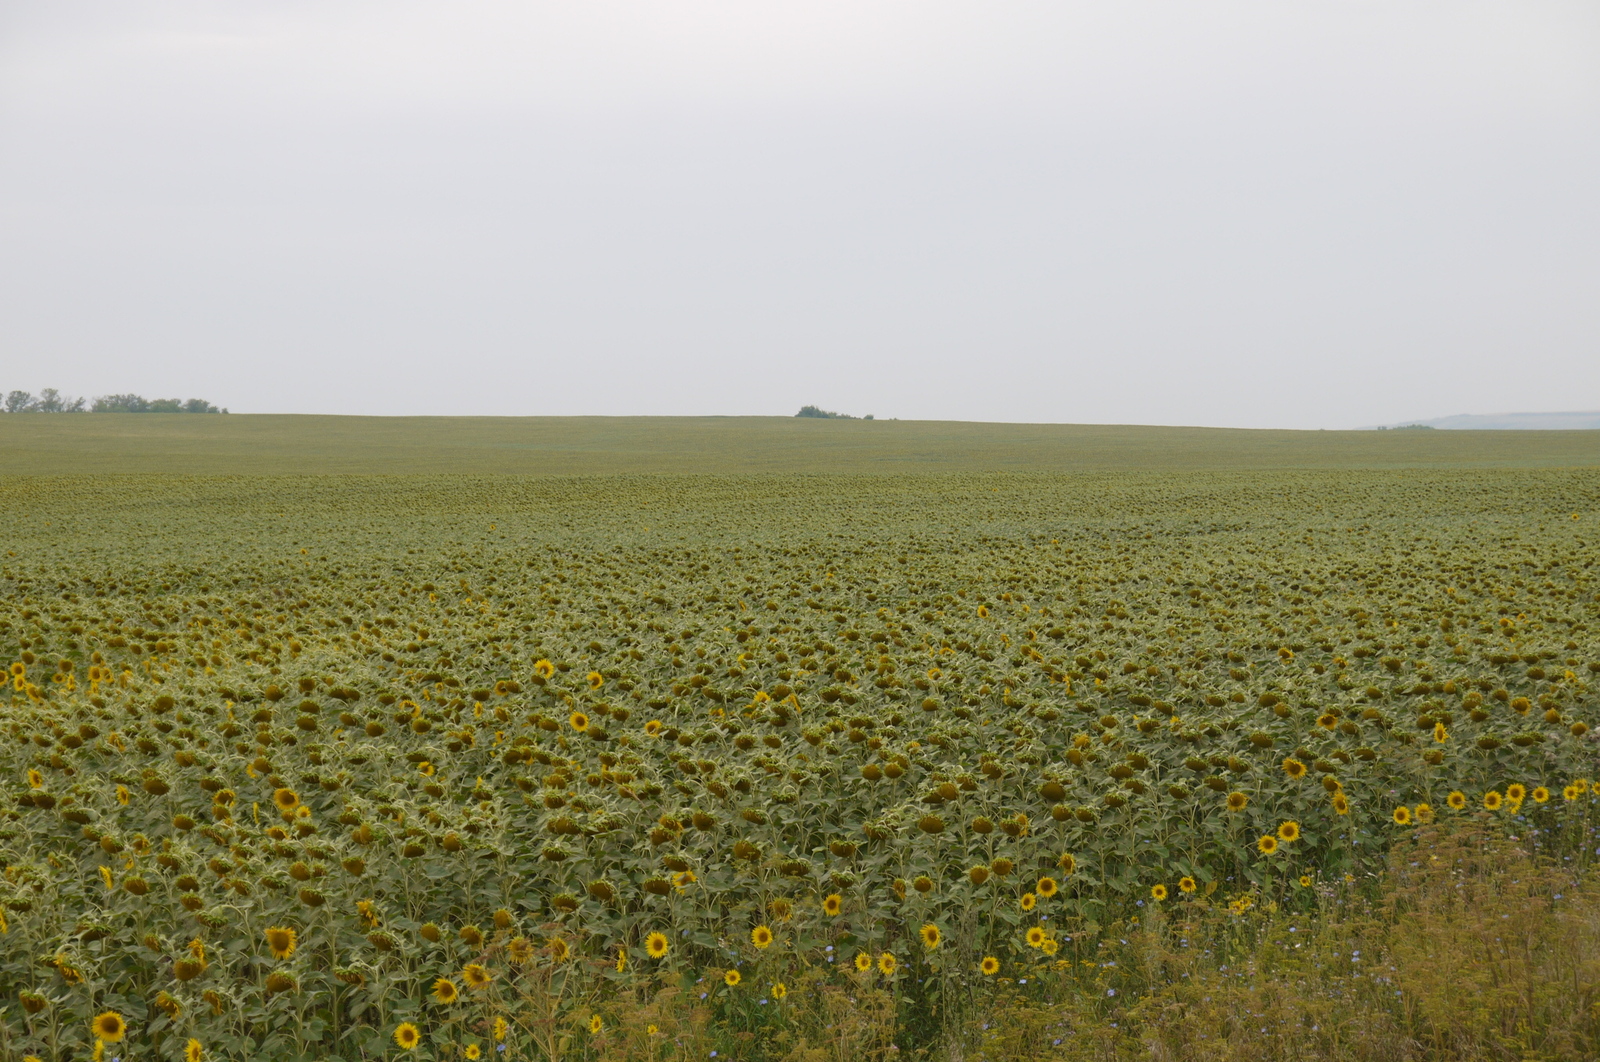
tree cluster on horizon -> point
(827, 414)
(51, 400)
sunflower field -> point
(316, 768)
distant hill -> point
(1510, 422)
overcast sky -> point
(1275, 214)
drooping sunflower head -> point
(109, 1027)
(1289, 830)
(653, 727)
(1294, 768)
(281, 940)
(1267, 844)
(990, 966)
(1067, 863)
(544, 669)
(655, 945)
(1237, 801)
(476, 976)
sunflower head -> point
(445, 991)
(595, 1023)
(1237, 801)
(1540, 794)
(578, 721)
(476, 976)
(109, 1027)
(655, 945)
(1456, 800)
(1267, 844)
(779, 990)
(544, 669)
(1440, 733)
(1067, 863)
(1028, 901)
(1492, 800)
(1402, 816)
(193, 1051)
(285, 799)
(990, 966)
(1341, 803)
(761, 936)
(1186, 885)
(1035, 936)
(887, 963)
(281, 940)
(596, 680)
(407, 1036)
(1289, 831)
(1516, 792)
(930, 935)
(1423, 813)
(731, 978)
(1046, 887)
(1305, 881)
(863, 962)
(1158, 892)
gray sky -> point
(1287, 214)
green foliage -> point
(824, 414)
(528, 722)
(52, 401)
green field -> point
(1088, 742)
(36, 444)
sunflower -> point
(832, 904)
(595, 1024)
(1456, 800)
(595, 680)
(35, 779)
(282, 941)
(472, 1053)
(579, 721)
(1046, 887)
(1540, 794)
(731, 978)
(1294, 768)
(930, 935)
(1440, 733)
(476, 976)
(990, 966)
(1035, 936)
(1402, 816)
(558, 949)
(1305, 881)
(1341, 804)
(653, 727)
(1571, 792)
(655, 945)
(1288, 830)
(1028, 900)
(1050, 946)
(1516, 792)
(122, 795)
(863, 961)
(1158, 892)
(1067, 863)
(622, 959)
(445, 991)
(1267, 844)
(285, 799)
(407, 1036)
(1237, 801)
(887, 963)
(544, 669)
(1423, 813)
(192, 1051)
(761, 936)
(779, 990)
(109, 1027)
(1186, 885)
(500, 1028)
(1491, 801)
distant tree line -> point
(52, 401)
(827, 414)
